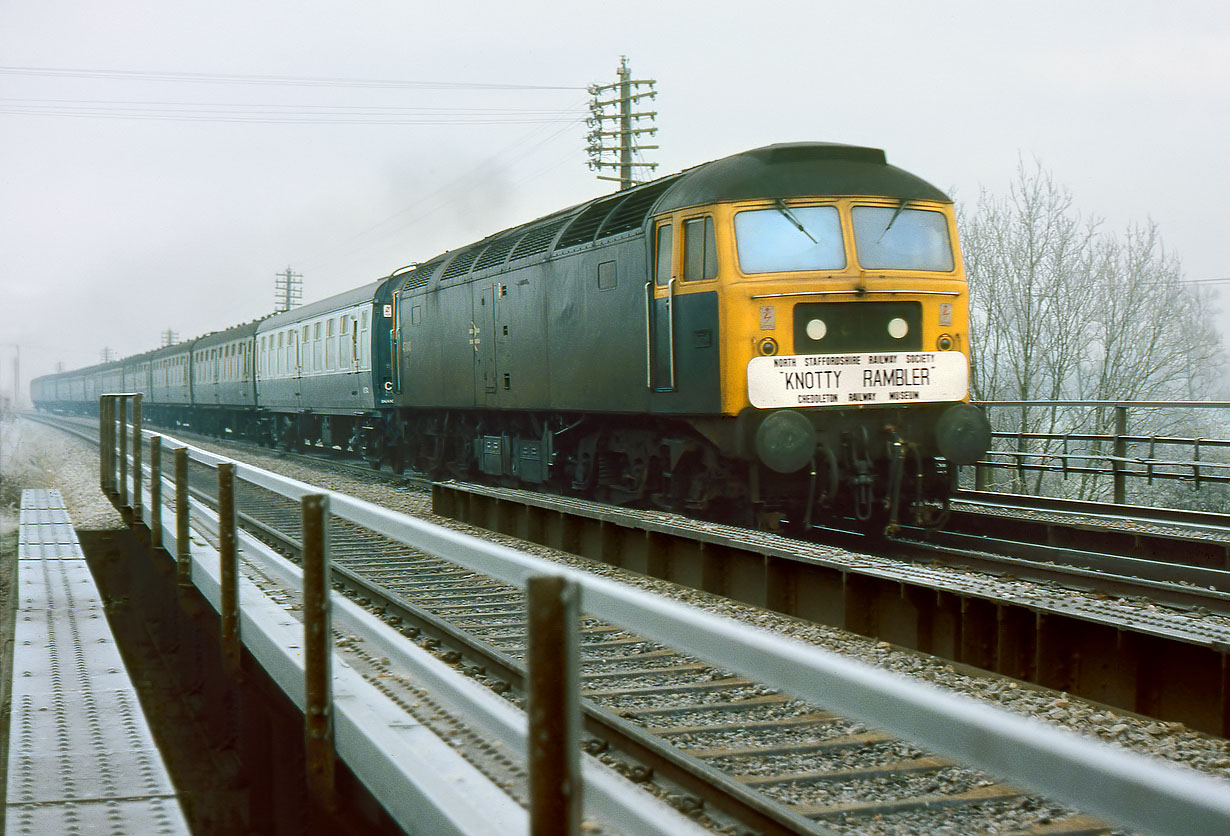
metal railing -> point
(1104, 444)
(1123, 788)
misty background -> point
(160, 162)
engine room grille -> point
(460, 265)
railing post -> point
(554, 708)
(228, 566)
(137, 498)
(1118, 466)
(103, 438)
(183, 547)
(155, 491)
(317, 649)
(113, 487)
(122, 429)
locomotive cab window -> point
(785, 238)
(665, 251)
(896, 238)
(699, 249)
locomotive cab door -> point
(660, 312)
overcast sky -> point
(157, 165)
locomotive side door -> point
(660, 312)
(482, 337)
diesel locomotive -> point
(778, 335)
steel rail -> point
(1110, 512)
(1162, 581)
(1126, 789)
(656, 755)
(1122, 788)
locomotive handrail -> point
(649, 335)
(1124, 788)
(670, 330)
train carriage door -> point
(482, 337)
(347, 339)
(393, 312)
(660, 313)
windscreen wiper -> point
(900, 208)
(781, 207)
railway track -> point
(738, 756)
(1031, 611)
(735, 754)
(1174, 557)
(731, 752)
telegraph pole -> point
(288, 290)
(106, 355)
(169, 337)
(625, 138)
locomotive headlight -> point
(767, 347)
(816, 329)
(898, 328)
(944, 343)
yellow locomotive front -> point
(844, 315)
(851, 302)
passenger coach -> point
(324, 371)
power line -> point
(284, 114)
(276, 80)
(291, 108)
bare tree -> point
(1063, 310)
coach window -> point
(664, 263)
(330, 345)
(699, 249)
(344, 359)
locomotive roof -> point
(786, 170)
(796, 169)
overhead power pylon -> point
(616, 127)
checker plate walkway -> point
(81, 757)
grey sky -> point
(114, 229)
